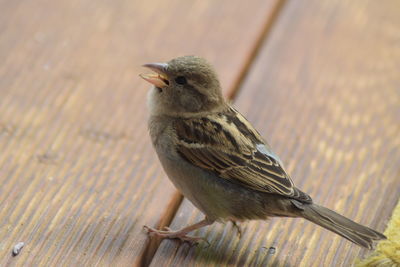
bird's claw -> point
(168, 233)
(238, 228)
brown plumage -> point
(216, 158)
(225, 145)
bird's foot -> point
(238, 228)
(181, 235)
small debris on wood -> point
(17, 248)
(272, 250)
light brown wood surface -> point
(78, 176)
(324, 91)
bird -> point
(219, 161)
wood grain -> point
(78, 176)
(325, 92)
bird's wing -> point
(229, 146)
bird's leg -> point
(181, 234)
(238, 228)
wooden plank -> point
(78, 176)
(325, 92)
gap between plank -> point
(176, 200)
(262, 39)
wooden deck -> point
(78, 175)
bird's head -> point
(184, 85)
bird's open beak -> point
(159, 78)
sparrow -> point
(218, 160)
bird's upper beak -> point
(159, 78)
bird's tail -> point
(340, 225)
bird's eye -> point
(180, 80)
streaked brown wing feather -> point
(228, 145)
